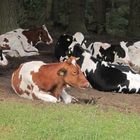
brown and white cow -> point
(21, 42)
(38, 80)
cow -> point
(21, 42)
(3, 60)
(38, 80)
(79, 37)
(114, 53)
(64, 42)
(62, 45)
(134, 53)
(106, 76)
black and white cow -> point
(110, 52)
(106, 76)
(65, 41)
(62, 45)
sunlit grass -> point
(28, 121)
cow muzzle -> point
(85, 85)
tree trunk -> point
(8, 15)
(55, 11)
(60, 13)
(77, 16)
(134, 18)
(99, 16)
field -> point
(110, 116)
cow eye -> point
(75, 73)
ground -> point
(122, 102)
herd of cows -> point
(103, 66)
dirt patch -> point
(123, 102)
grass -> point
(20, 121)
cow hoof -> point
(74, 100)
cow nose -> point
(86, 85)
(50, 42)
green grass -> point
(20, 121)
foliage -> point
(61, 12)
(32, 13)
(89, 12)
(57, 15)
(117, 21)
(65, 122)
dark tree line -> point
(114, 17)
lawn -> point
(27, 121)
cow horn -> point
(77, 58)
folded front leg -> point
(67, 98)
(45, 96)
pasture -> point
(111, 116)
(34, 121)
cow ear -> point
(62, 72)
(77, 58)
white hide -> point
(134, 53)
(134, 80)
(80, 38)
(18, 44)
(25, 74)
(66, 97)
(88, 63)
(3, 62)
(51, 40)
(126, 59)
(94, 48)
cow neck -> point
(32, 36)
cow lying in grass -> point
(105, 76)
(38, 80)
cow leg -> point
(44, 96)
(31, 49)
(11, 53)
(67, 98)
(28, 48)
(30, 53)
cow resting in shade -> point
(105, 76)
(113, 53)
(21, 42)
(64, 41)
(38, 80)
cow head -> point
(3, 60)
(72, 74)
(79, 37)
(65, 41)
(37, 34)
(125, 57)
(97, 49)
(62, 45)
(44, 35)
